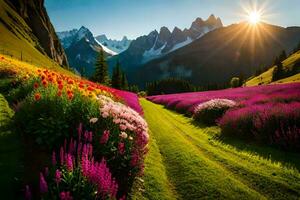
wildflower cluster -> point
(268, 114)
(210, 111)
(75, 173)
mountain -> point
(27, 33)
(157, 44)
(116, 46)
(82, 49)
(235, 50)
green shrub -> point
(49, 117)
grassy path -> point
(200, 167)
(10, 154)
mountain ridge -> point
(222, 54)
(156, 44)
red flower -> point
(59, 82)
(70, 96)
(90, 88)
(70, 82)
(60, 86)
(37, 96)
(59, 93)
(36, 85)
(81, 86)
(44, 83)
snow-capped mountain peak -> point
(116, 46)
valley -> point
(152, 100)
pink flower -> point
(43, 184)
(105, 137)
(57, 176)
(28, 195)
(53, 158)
(65, 196)
(69, 162)
(121, 148)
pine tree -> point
(117, 76)
(124, 81)
(101, 70)
(282, 56)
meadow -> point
(76, 139)
(267, 114)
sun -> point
(254, 17)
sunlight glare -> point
(254, 17)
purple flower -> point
(43, 184)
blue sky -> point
(134, 18)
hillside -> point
(266, 77)
(21, 38)
(222, 54)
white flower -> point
(93, 120)
(123, 135)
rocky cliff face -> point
(36, 17)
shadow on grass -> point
(276, 155)
(286, 158)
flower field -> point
(268, 114)
(96, 135)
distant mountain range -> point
(157, 44)
(116, 46)
(82, 48)
(235, 50)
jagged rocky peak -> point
(102, 38)
(164, 33)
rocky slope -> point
(35, 15)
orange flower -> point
(36, 85)
(37, 96)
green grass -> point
(200, 166)
(266, 77)
(10, 154)
(156, 184)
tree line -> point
(118, 79)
